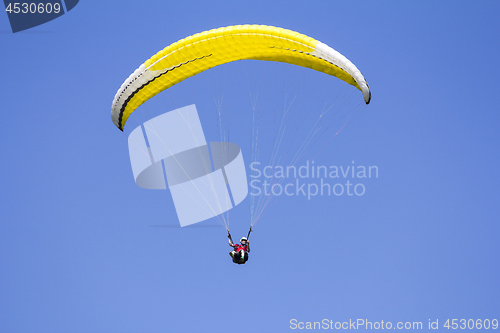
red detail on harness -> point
(239, 247)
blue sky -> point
(83, 249)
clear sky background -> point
(83, 249)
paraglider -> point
(200, 52)
(240, 251)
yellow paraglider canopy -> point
(197, 53)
